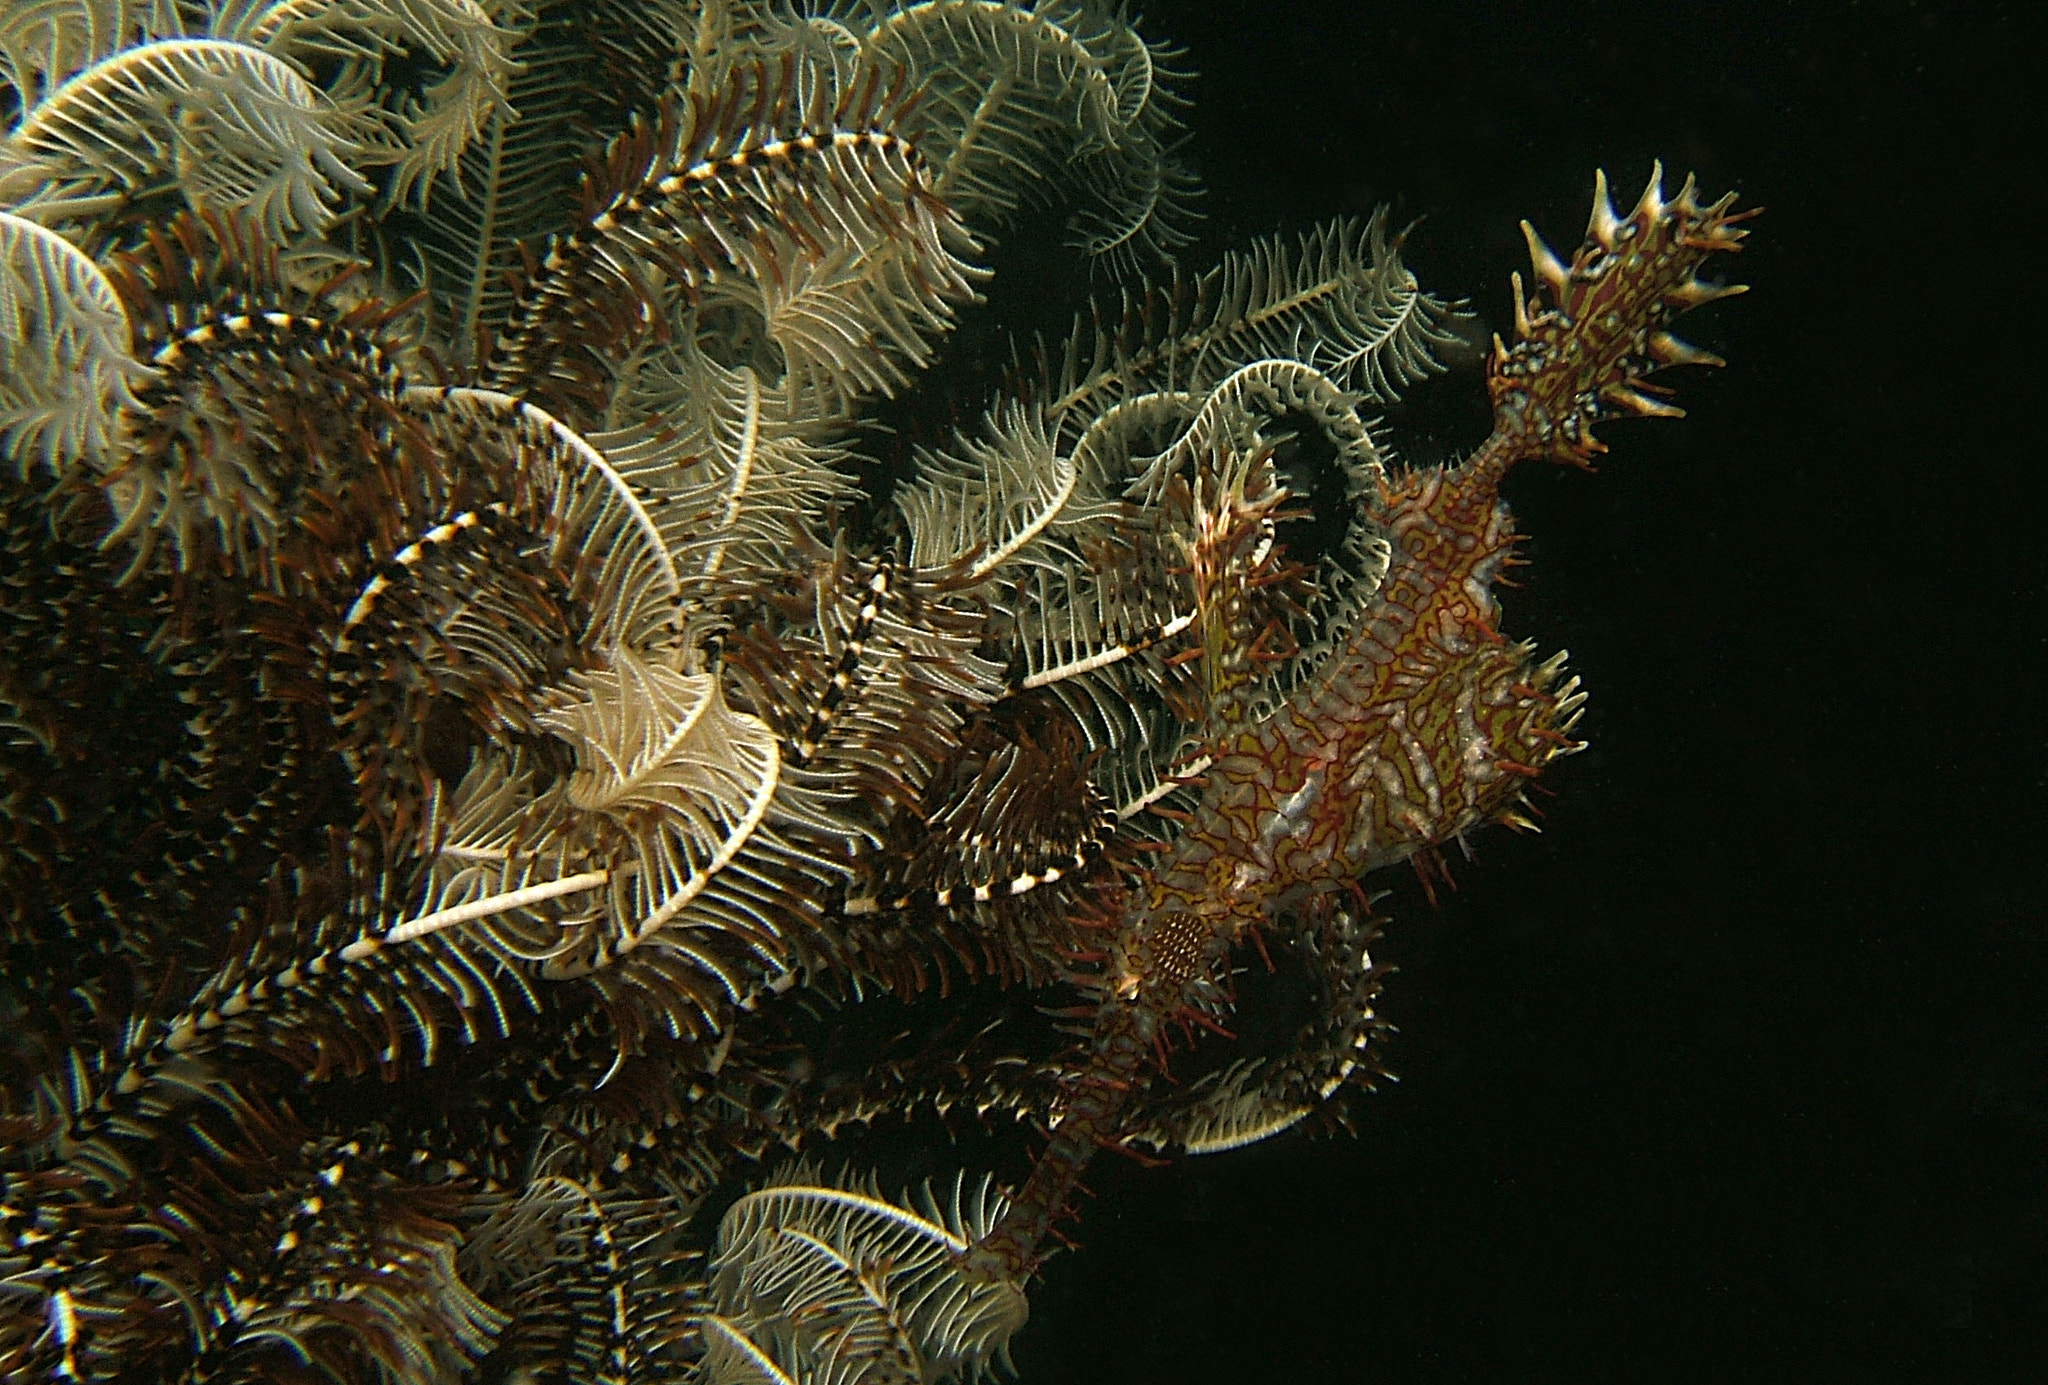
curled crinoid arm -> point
(65, 351)
(673, 784)
(1049, 101)
(224, 124)
(1584, 355)
(265, 404)
(1286, 1076)
(814, 226)
(810, 1275)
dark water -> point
(1740, 1072)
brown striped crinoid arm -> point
(812, 224)
(272, 410)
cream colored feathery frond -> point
(737, 472)
(995, 499)
(855, 312)
(232, 127)
(807, 1273)
(497, 860)
(825, 49)
(66, 371)
(1340, 300)
(599, 526)
(669, 790)
(1082, 590)
(683, 780)
(44, 41)
(1090, 635)
(515, 181)
(650, 738)
(1061, 99)
(431, 131)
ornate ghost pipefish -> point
(1423, 722)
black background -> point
(1740, 1071)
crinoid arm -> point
(66, 371)
(812, 1277)
(233, 125)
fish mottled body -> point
(1423, 721)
